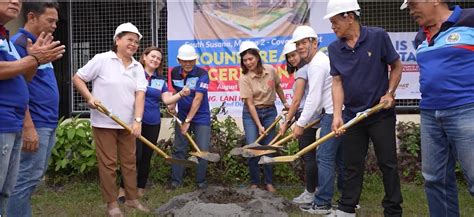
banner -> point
(409, 86)
(216, 30)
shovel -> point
(239, 150)
(287, 159)
(189, 163)
(213, 157)
(279, 144)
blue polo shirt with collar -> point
(43, 88)
(13, 91)
(363, 69)
(446, 62)
(156, 86)
(197, 81)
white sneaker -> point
(340, 213)
(303, 198)
(315, 209)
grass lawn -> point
(83, 199)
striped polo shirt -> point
(446, 62)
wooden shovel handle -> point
(105, 111)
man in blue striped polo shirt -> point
(41, 118)
(445, 54)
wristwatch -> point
(391, 92)
(187, 120)
(138, 119)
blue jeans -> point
(266, 116)
(33, 165)
(10, 148)
(202, 137)
(446, 136)
(328, 156)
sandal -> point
(115, 212)
(136, 205)
(270, 188)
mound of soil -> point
(220, 201)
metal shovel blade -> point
(213, 157)
(182, 162)
(265, 147)
(279, 159)
(256, 153)
(236, 151)
(253, 144)
(193, 159)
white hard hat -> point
(245, 45)
(404, 5)
(187, 52)
(302, 32)
(336, 7)
(289, 47)
(127, 27)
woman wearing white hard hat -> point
(300, 90)
(118, 83)
(157, 90)
(259, 84)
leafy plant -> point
(290, 173)
(226, 135)
(74, 152)
(160, 170)
(409, 151)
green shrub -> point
(409, 152)
(292, 173)
(226, 135)
(74, 152)
(160, 171)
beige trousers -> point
(111, 143)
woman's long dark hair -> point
(255, 53)
(292, 69)
(147, 51)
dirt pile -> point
(220, 201)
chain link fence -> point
(92, 26)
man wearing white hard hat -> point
(445, 46)
(360, 58)
(118, 83)
(318, 103)
(194, 113)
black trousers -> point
(379, 128)
(310, 164)
(144, 153)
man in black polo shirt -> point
(359, 65)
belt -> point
(264, 106)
